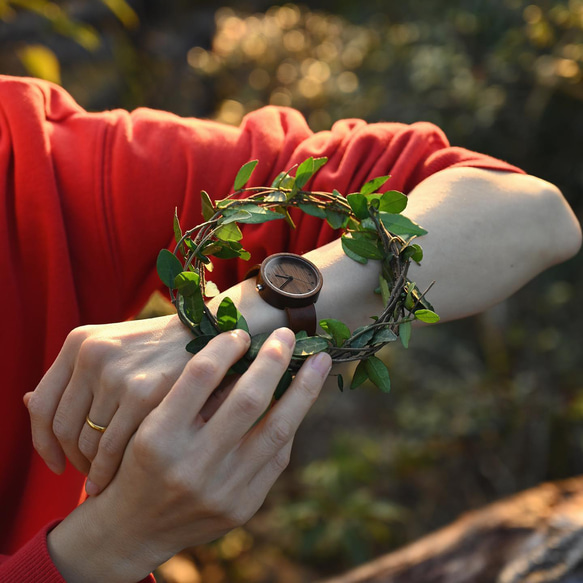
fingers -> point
(218, 397)
(201, 376)
(262, 482)
(43, 402)
(69, 419)
(90, 437)
(252, 393)
(103, 408)
(277, 429)
(111, 448)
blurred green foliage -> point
(480, 408)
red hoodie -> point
(87, 203)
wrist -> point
(86, 548)
(260, 316)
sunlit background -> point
(481, 408)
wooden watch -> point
(292, 283)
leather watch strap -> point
(302, 319)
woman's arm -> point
(488, 234)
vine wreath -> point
(374, 228)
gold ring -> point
(100, 428)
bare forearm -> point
(488, 234)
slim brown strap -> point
(302, 319)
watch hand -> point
(286, 282)
(284, 276)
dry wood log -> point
(535, 536)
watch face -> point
(292, 279)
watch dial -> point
(291, 275)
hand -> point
(184, 481)
(116, 374)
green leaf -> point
(340, 383)
(229, 232)
(410, 299)
(418, 255)
(414, 252)
(307, 169)
(210, 289)
(352, 255)
(310, 345)
(335, 219)
(304, 172)
(362, 340)
(393, 202)
(337, 329)
(258, 214)
(362, 246)
(227, 315)
(319, 162)
(210, 248)
(373, 185)
(358, 204)
(283, 385)
(232, 249)
(383, 336)
(301, 334)
(283, 180)
(360, 375)
(206, 326)
(233, 215)
(401, 225)
(168, 267)
(242, 323)
(200, 253)
(244, 174)
(426, 316)
(314, 211)
(226, 253)
(368, 224)
(378, 373)
(405, 333)
(187, 283)
(208, 209)
(198, 344)
(256, 343)
(177, 229)
(385, 290)
(276, 196)
(193, 306)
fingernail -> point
(241, 334)
(322, 363)
(91, 488)
(286, 336)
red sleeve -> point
(32, 563)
